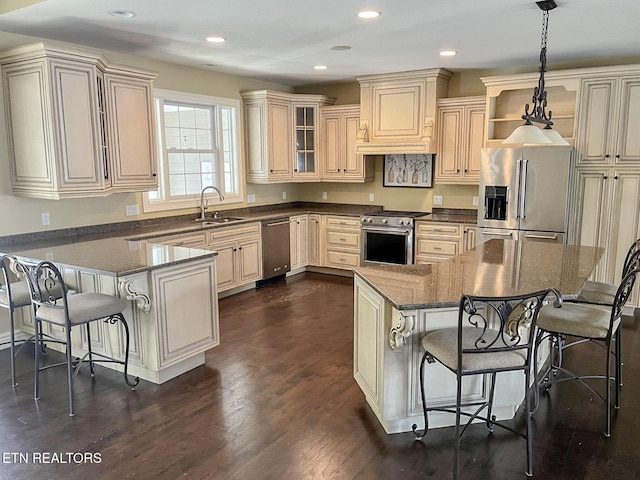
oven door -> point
(387, 245)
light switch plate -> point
(251, 198)
(371, 197)
(46, 219)
(284, 195)
(324, 195)
(437, 199)
(475, 201)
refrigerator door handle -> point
(517, 192)
(541, 237)
(523, 189)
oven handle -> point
(387, 230)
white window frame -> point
(191, 201)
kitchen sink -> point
(218, 221)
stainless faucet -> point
(205, 203)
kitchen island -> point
(173, 304)
(394, 306)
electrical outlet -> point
(437, 199)
(284, 195)
(475, 201)
(131, 210)
(324, 195)
(46, 219)
(371, 197)
(251, 198)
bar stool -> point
(492, 335)
(604, 293)
(14, 294)
(586, 323)
(69, 311)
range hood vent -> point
(398, 111)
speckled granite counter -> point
(494, 268)
(114, 256)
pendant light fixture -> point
(529, 133)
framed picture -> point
(408, 170)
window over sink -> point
(198, 146)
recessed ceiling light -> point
(123, 13)
(216, 39)
(369, 14)
(320, 67)
(341, 47)
(448, 53)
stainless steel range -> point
(387, 237)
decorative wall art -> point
(409, 170)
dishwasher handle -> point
(277, 222)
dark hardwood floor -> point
(277, 400)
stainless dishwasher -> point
(276, 256)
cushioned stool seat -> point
(83, 308)
(577, 319)
(597, 292)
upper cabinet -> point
(281, 131)
(78, 126)
(508, 94)
(609, 119)
(339, 126)
(398, 111)
(460, 138)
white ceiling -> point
(281, 40)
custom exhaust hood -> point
(398, 111)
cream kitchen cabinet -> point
(239, 258)
(299, 241)
(342, 242)
(436, 242)
(315, 240)
(281, 132)
(78, 126)
(606, 208)
(609, 121)
(469, 235)
(398, 111)
(339, 126)
(460, 137)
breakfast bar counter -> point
(394, 306)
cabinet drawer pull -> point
(437, 248)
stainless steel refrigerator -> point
(525, 193)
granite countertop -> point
(127, 248)
(451, 215)
(494, 268)
(114, 256)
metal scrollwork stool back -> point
(72, 310)
(493, 335)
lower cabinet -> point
(299, 241)
(606, 208)
(239, 248)
(342, 242)
(436, 242)
(239, 255)
(314, 240)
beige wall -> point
(393, 198)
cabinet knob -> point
(618, 156)
(239, 248)
(271, 171)
(154, 174)
(466, 170)
(458, 171)
(605, 177)
(616, 177)
(607, 156)
(235, 249)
